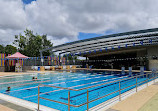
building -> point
(135, 48)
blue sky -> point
(27, 1)
(82, 35)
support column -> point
(67, 60)
(52, 60)
(51, 55)
(41, 58)
(59, 59)
(73, 60)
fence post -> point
(69, 101)
(154, 77)
(38, 97)
(35, 61)
(119, 90)
(147, 79)
(136, 84)
(87, 100)
(27, 62)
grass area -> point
(151, 105)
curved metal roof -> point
(120, 40)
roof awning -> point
(109, 42)
(17, 55)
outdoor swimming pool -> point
(23, 87)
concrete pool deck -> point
(34, 71)
(19, 73)
(151, 105)
(7, 106)
(137, 100)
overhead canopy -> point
(17, 55)
(109, 42)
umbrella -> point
(17, 55)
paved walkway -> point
(6, 106)
(151, 105)
(136, 101)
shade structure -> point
(108, 43)
(17, 55)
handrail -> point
(89, 86)
(71, 87)
(119, 90)
(58, 89)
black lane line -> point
(91, 90)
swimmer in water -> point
(33, 78)
(8, 89)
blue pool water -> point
(23, 87)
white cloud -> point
(7, 36)
(12, 20)
(12, 15)
(62, 20)
(57, 41)
(47, 16)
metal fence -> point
(121, 87)
(47, 62)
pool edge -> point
(24, 103)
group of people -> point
(9, 88)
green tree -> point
(9, 49)
(30, 44)
(2, 49)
